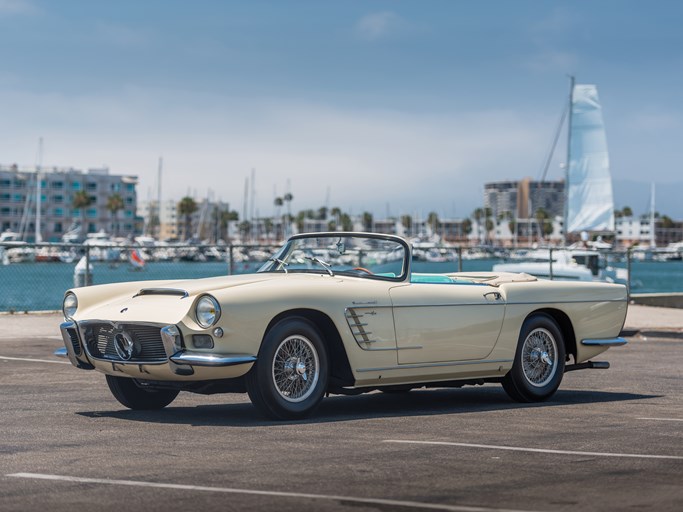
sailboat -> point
(589, 204)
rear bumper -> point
(609, 342)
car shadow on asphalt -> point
(368, 406)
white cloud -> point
(367, 159)
(11, 7)
(379, 25)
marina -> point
(40, 286)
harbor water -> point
(41, 286)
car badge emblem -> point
(124, 345)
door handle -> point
(496, 295)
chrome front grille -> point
(75, 342)
(100, 339)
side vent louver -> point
(358, 327)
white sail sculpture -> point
(590, 205)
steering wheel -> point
(363, 270)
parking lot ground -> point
(608, 440)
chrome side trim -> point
(392, 348)
(432, 365)
(611, 342)
(204, 359)
(61, 352)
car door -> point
(438, 322)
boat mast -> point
(39, 237)
(566, 167)
(653, 238)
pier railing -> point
(34, 277)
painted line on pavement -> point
(661, 419)
(4, 358)
(254, 492)
(536, 450)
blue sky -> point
(387, 106)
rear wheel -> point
(539, 361)
(130, 395)
(290, 377)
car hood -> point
(166, 302)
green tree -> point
(114, 205)
(226, 216)
(288, 197)
(186, 207)
(466, 226)
(347, 223)
(300, 221)
(545, 226)
(667, 222)
(245, 228)
(268, 226)
(367, 221)
(433, 221)
(626, 211)
(407, 222)
(81, 201)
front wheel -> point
(290, 377)
(539, 361)
(130, 395)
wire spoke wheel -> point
(539, 354)
(539, 360)
(290, 377)
(295, 368)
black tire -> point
(290, 376)
(130, 395)
(539, 361)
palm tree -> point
(544, 225)
(301, 216)
(433, 221)
(346, 222)
(81, 201)
(466, 226)
(114, 204)
(407, 222)
(336, 213)
(186, 207)
(288, 199)
(478, 214)
(367, 221)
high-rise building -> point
(58, 216)
(522, 199)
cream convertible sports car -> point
(338, 313)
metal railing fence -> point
(34, 277)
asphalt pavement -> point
(608, 440)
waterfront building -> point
(160, 222)
(638, 231)
(58, 216)
(521, 199)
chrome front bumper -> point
(180, 360)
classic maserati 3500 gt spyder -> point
(339, 313)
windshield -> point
(356, 255)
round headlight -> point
(208, 311)
(69, 306)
